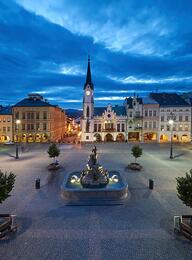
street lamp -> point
(171, 147)
(17, 131)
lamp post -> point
(17, 131)
(171, 147)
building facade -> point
(150, 126)
(6, 125)
(172, 106)
(38, 120)
(138, 119)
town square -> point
(95, 130)
(140, 227)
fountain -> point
(94, 182)
(94, 175)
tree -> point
(7, 181)
(184, 188)
(53, 151)
(136, 151)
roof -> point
(6, 111)
(149, 100)
(169, 99)
(129, 101)
(119, 110)
(88, 78)
(190, 101)
(98, 111)
(30, 102)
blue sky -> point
(136, 46)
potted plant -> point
(54, 152)
(136, 152)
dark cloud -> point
(135, 47)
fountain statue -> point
(94, 175)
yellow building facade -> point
(6, 123)
(36, 120)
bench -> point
(7, 224)
(182, 224)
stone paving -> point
(140, 228)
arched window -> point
(87, 111)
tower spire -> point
(88, 78)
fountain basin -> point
(113, 191)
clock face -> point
(88, 92)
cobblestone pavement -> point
(140, 228)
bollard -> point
(37, 183)
(151, 184)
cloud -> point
(120, 25)
(135, 47)
(135, 80)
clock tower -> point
(88, 107)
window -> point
(186, 127)
(23, 115)
(17, 115)
(44, 126)
(131, 114)
(37, 126)
(87, 113)
(154, 113)
(186, 118)
(37, 115)
(154, 124)
(162, 118)
(145, 125)
(180, 118)
(87, 137)
(23, 126)
(118, 127)
(95, 127)
(146, 113)
(150, 125)
(8, 119)
(8, 129)
(28, 126)
(4, 129)
(123, 127)
(162, 128)
(137, 113)
(44, 115)
(108, 126)
(168, 127)
(32, 115)
(28, 115)
(180, 127)
(4, 120)
(99, 127)
(32, 127)
(150, 112)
